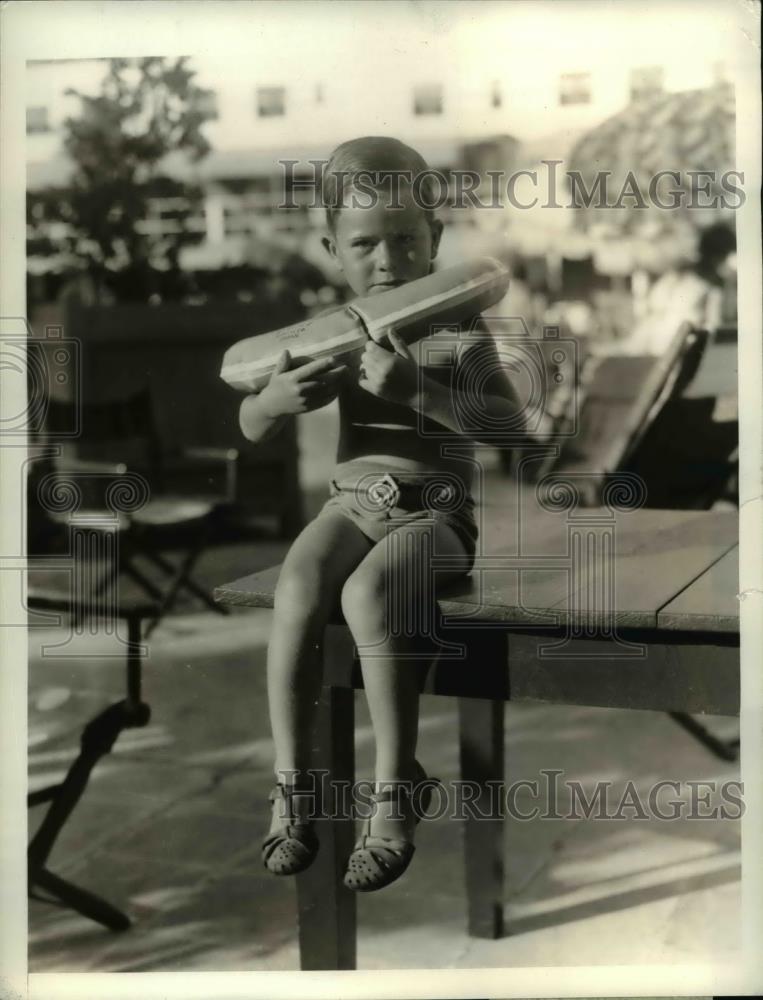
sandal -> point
(376, 862)
(292, 848)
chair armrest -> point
(211, 454)
(94, 482)
(69, 463)
(229, 457)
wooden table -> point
(599, 607)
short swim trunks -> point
(378, 504)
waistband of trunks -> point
(439, 492)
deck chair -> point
(620, 396)
(686, 449)
(673, 422)
(120, 435)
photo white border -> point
(73, 29)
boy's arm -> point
(256, 423)
(302, 389)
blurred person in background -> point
(701, 292)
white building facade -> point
(292, 87)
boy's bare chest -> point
(357, 405)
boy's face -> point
(381, 247)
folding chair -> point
(98, 737)
(122, 434)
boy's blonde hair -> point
(378, 156)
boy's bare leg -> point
(314, 571)
(392, 573)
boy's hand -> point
(306, 387)
(391, 375)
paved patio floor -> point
(170, 825)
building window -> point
(271, 101)
(575, 88)
(496, 98)
(646, 81)
(37, 120)
(427, 99)
(206, 103)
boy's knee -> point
(363, 599)
(298, 597)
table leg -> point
(481, 750)
(327, 910)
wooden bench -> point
(665, 637)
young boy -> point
(393, 477)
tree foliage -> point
(147, 110)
